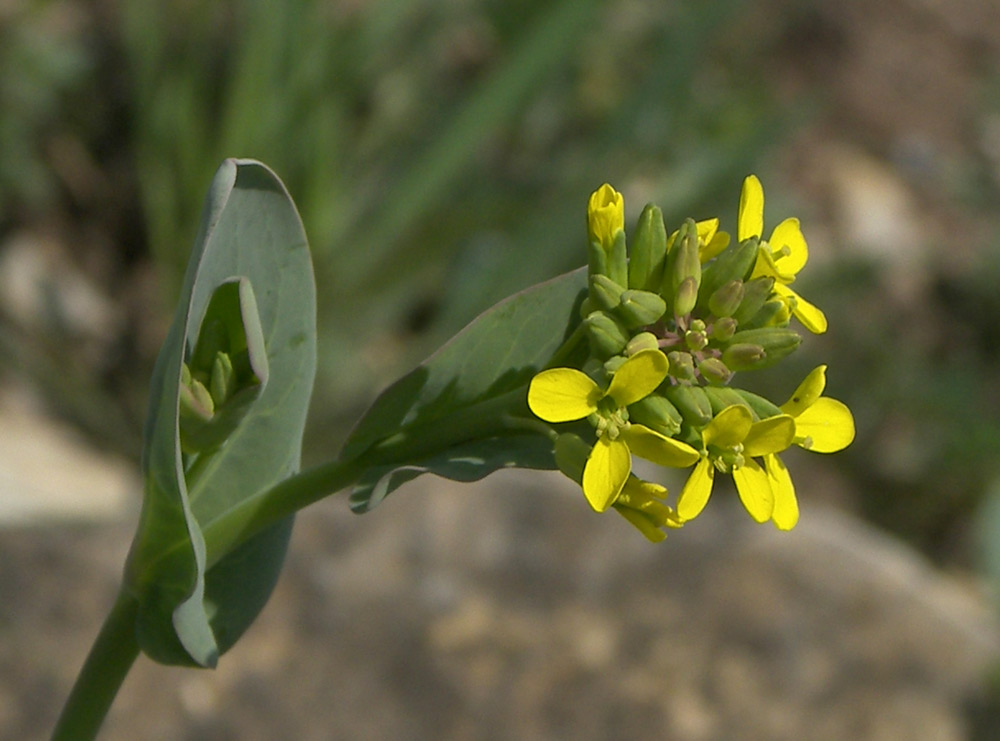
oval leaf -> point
(192, 610)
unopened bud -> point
(604, 292)
(724, 328)
(776, 342)
(714, 371)
(607, 337)
(734, 263)
(642, 341)
(649, 249)
(685, 297)
(640, 308)
(773, 313)
(656, 413)
(755, 293)
(613, 363)
(685, 260)
(222, 382)
(681, 365)
(695, 339)
(726, 299)
(743, 356)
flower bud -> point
(774, 313)
(642, 341)
(743, 356)
(649, 249)
(640, 308)
(734, 263)
(724, 328)
(714, 371)
(727, 298)
(656, 413)
(685, 261)
(755, 293)
(605, 216)
(681, 365)
(775, 341)
(604, 292)
(685, 297)
(222, 382)
(613, 363)
(607, 337)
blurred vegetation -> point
(441, 154)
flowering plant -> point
(635, 354)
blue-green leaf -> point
(459, 395)
(192, 610)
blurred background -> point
(441, 153)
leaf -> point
(190, 610)
(457, 396)
(470, 462)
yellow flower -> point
(641, 503)
(781, 257)
(566, 395)
(822, 425)
(731, 442)
(605, 215)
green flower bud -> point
(743, 356)
(727, 298)
(195, 400)
(722, 397)
(222, 381)
(691, 402)
(656, 413)
(686, 262)
(760, 406)
(724, 328)
(604, 292)
(714, 371)
(685, 297)
(642, 341)
(640, 308)
(734, 263)
(649, 250)
(681, 365)
(776, 343)
(695, 338)
(773, 313)
(607, 337)
(755, 293)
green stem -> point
(106, 667)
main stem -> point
(106, 667)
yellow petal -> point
(787, 237)
(694, 496)
(643, 523)
(751, 213)
(729, 427)
(563, 395)
(811, 316)
(653, 446)
(606, 472)
(771, 435)
(711, 248)
(638, 377)
(754, 489)
(767, 266)
(786, 507)
(807, 393)
(828, 423)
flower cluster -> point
(670, 320)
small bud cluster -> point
(692, 295)
(670, 320)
